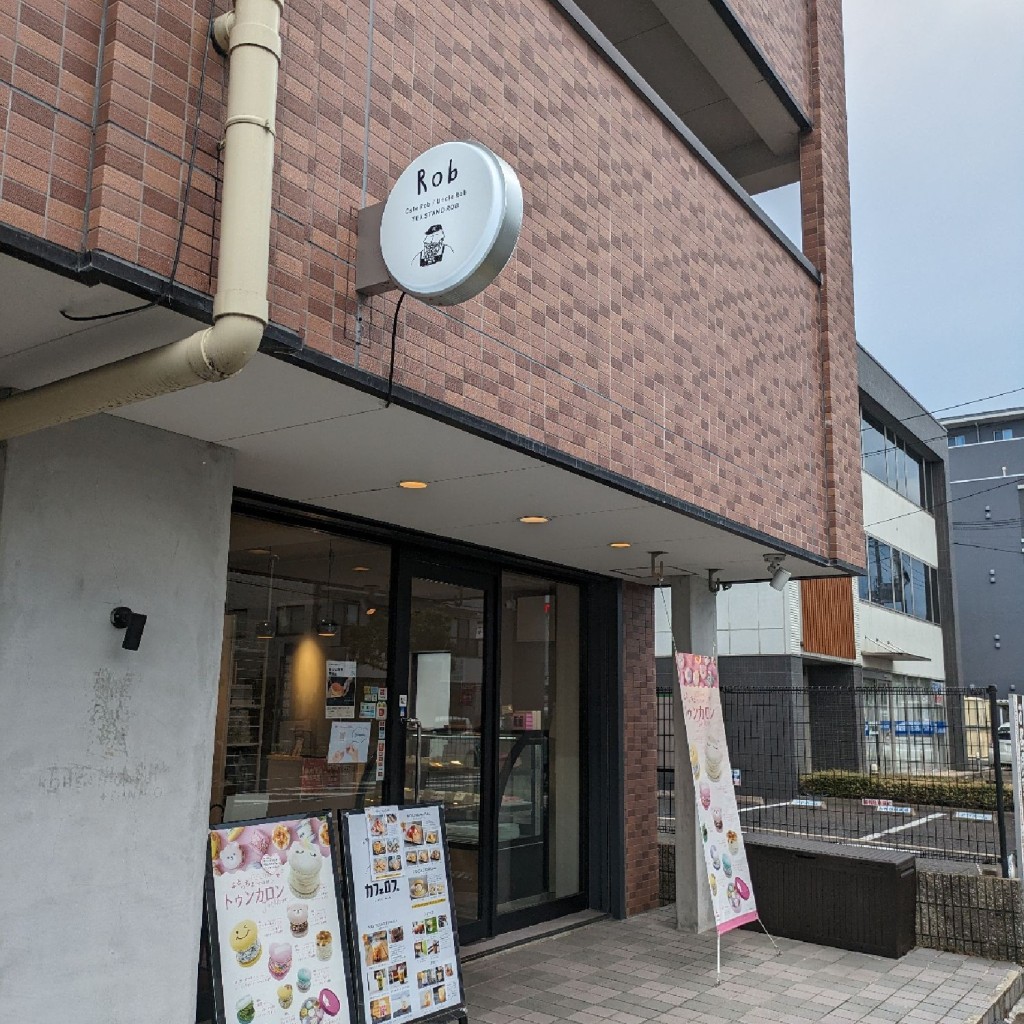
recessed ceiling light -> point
(620, 544)
(534, 519)
(259, 551)
(360, 568)
(371, 611)
(413, 485)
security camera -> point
(780, 576)
(132, 623)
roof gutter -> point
(251, 37)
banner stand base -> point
(718, 965)
(778, 952)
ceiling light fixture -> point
(413, 485)
(657, 568)
(327, 626)
(530, 520)
(371, 611)
(620, 544)
(360, 568)
(265, 629)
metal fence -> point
(924, 769)
(908, 768)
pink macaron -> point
(280, 959)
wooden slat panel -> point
(827, 606)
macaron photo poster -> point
(718, 817)
(277, 944)
(406, 950)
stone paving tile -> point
(643, 970)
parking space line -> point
(900, 828)
(765, 807)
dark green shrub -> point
(937, 791)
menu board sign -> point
(407, 954)
(717, 814)
(276, 936)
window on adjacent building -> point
(919, 586)
(897, 581)
(886, 457)
(872, 447)
(957, 441)
(1004, 434)
(900, 582)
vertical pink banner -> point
(718, 817)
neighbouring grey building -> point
(986, 464)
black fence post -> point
(993, 714)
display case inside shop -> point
(522, 821)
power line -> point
(934, 412)
(984, 547)
(959, 405)
(975, 401)
(917, 511)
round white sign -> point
(451, 223)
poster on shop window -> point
(404, 934)
(278, 947)
(718, 817)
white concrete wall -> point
(903, 633)
(913, 531)
(105, 754)
(755, 619)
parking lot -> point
(935, 833)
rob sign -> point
(451, 223)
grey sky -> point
(935, 95)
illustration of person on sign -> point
(434, 247)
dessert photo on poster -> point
(405, 929)
(713, 782)
(276, 934)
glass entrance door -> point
(447, 744)
(487, 675)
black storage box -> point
(849, 897)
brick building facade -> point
(657, 364)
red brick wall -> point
(825, 185)
(647, 322)
(640, 749)
(779, 27)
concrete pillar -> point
(105, 753)
(694, 631)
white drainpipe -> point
(251, 36)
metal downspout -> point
(251, 36)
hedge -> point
(938, 791)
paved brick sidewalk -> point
(643, 969)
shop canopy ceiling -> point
(306, 438)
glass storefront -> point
(334, 644)
(286, 586)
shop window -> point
(283, 686)
(539, 811)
